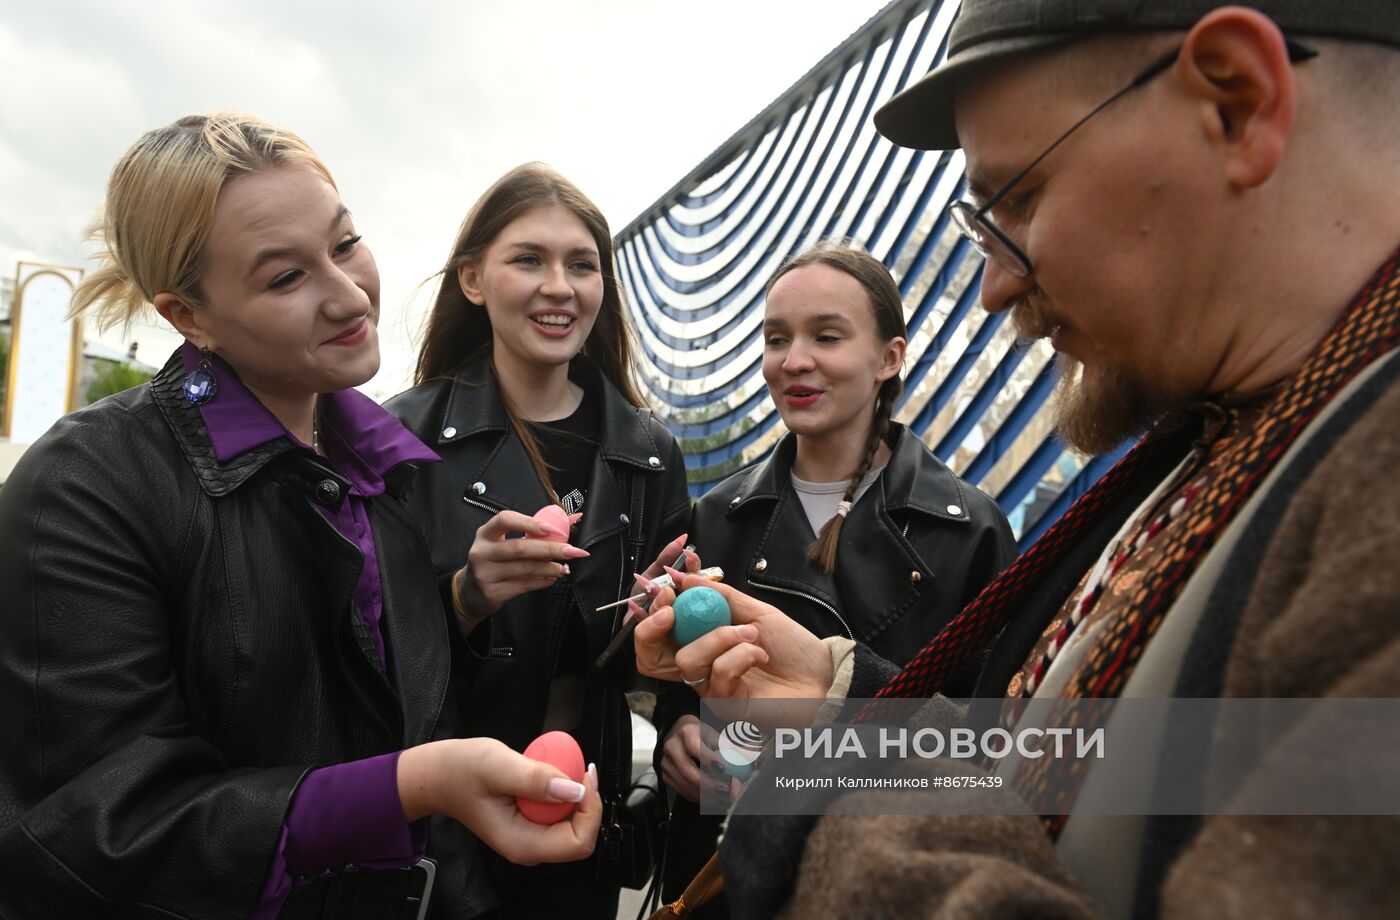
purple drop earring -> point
(201, 386)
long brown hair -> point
(457, 328)
(888, 310)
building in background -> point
(809, 167)
(101, 371)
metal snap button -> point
(624, 519)
(915, 577)
(328, 491)
(954, 509)
(449, 432)
(761, 565)
(654, 462)
(478, 488)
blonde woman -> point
(223, 659)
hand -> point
(499, 568)
(682, 754)
(668, 555)
(764, 656)
(475, 781)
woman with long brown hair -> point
(524, 386)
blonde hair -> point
(160, 204)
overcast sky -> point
(415, 106)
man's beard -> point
(1095, 412)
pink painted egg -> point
(555, 517)
(558, 749)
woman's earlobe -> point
(470, 283)
(179, 314)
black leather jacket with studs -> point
(917, 546)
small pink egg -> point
(558, 749)
(556, 517)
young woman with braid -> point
(851, 525)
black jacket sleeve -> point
(110, 804)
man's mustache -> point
(1033, 319)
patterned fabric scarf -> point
(1369, 328)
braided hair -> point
(887, 308)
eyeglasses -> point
(992, 241)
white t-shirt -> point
(819, 499)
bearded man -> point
(1199, 205)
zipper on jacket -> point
(483, 506)
(621, 584)
(816, 600)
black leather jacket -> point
(178, 647)
(637, 502)
(918, 545)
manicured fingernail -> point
(573, 552)
(575, 517)
(563, 569)
(549, 530)
(592, 776)
(566, 790)
(636, 610)
(674, 574)
(646, 584)
(681, 539)
(748, 633)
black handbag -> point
(631, 839)
(633, 833)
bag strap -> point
(702, 889)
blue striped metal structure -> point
(811, 166)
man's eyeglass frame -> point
(993, 242)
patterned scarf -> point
(1368, 329)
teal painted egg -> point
(698, 611)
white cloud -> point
(416, 106)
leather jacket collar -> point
(913, 480)
(474, 405)
(497, 470)
(220, 477)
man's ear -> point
(470, 281)
(186, 319)
(1235, 60)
